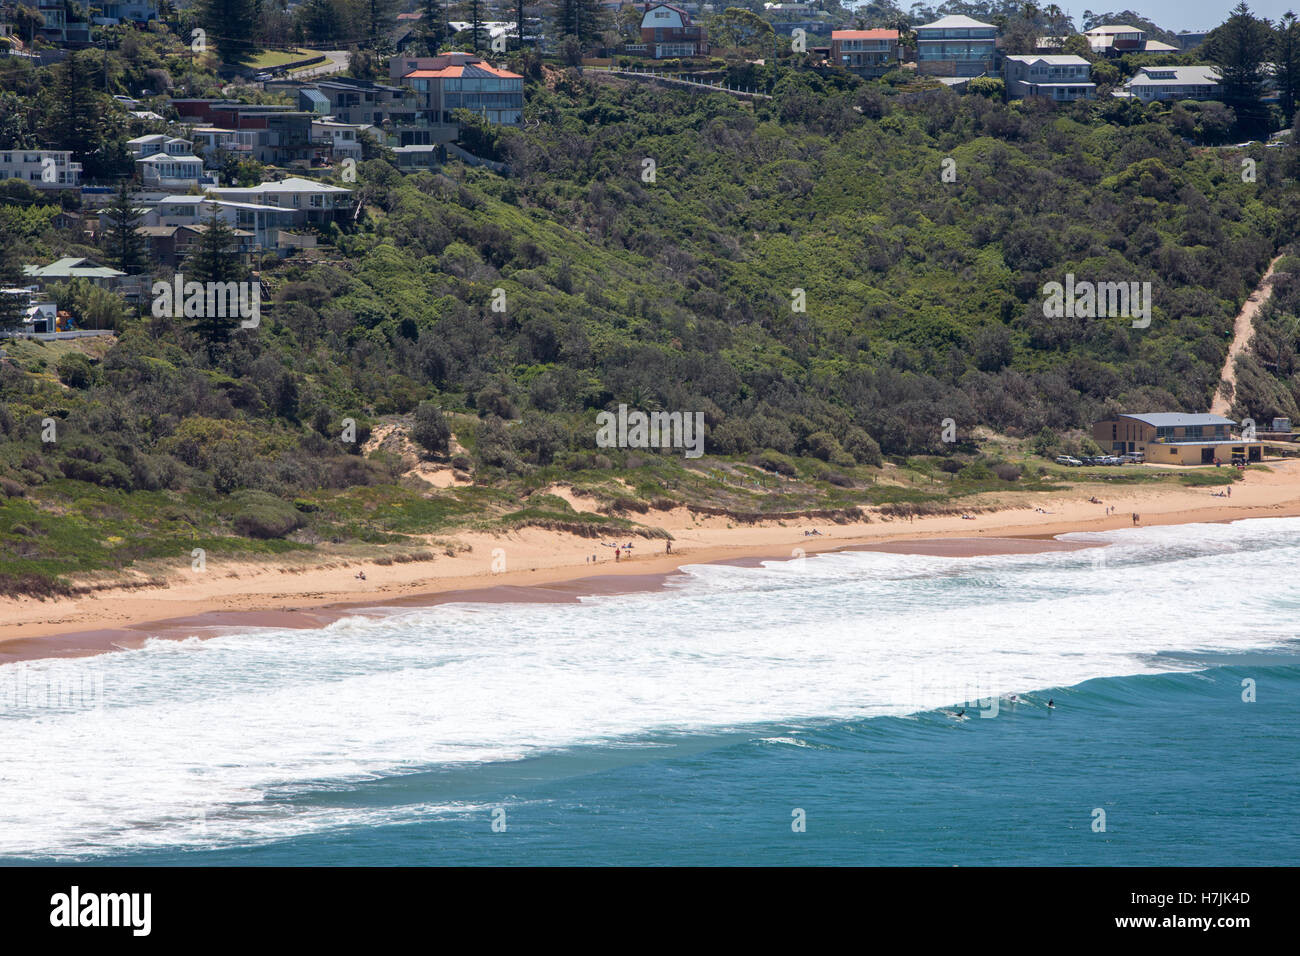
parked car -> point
(1135, 457)
(262, 77)
(1068, 461)
(1114, 460)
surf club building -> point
(1175, 438)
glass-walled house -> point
(956, 46)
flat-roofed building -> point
(1176, 438)
(956, 46)
(865, 52)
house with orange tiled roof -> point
(865, 52)
(453, 81)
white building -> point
(42, 168)
(306, 198)
(1060, 77)
(263, 222)
(1175, 83)
(154, 143)
(343, 139)
(163, 171)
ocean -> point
(807, 711)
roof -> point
(1176, 419)
(1155, 46)
(864, 34)
(69, 267)
(168, 158)
(1183, 75)
(1051, 59)
(293, 184)
(466, 69)
(1111, 29)
(954, 23)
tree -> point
(230, 26)
(431, 431)
(578, 18)
(737, 28)
(1239, 49)
(74, 118)
(122, 243)
(1287, 58)
(27, 21)
(214, 259)
(11, 306)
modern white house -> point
(162, 171)
(342, 139)
(42, 168)
(1117, 39)
(956, 46)
(1063, 78)
(142, 146)
(263, 222)
(306, 199)
(1175, 83)
(213, 140)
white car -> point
(1068, 461)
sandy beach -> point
(541, 565)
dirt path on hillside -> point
(1242, 332)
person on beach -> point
(668, 547)
(617, 552)
(1135, 517)
(1229, 490)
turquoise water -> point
(687, 727)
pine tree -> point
(579, 18)
(214, 259)
(1287, 58)
(1239, 48)
(11, 306)
(231, 26)
(122, 243)
(74, 119)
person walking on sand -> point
(1229, 490)
(617, 552)
(1135, 517)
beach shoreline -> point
(536, 565)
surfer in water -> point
(1051, 705)
(961, 713)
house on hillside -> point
(1118, 39)
(1062, 78)
(1175, 438)
(42, 168)
(65, 269)
(668, 32)
(1175, 83)
(956, 46)
(170, 246)
(306, 199)
(456, 81)
(868, 53)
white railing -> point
(52, 336)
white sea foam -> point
(230, 729)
